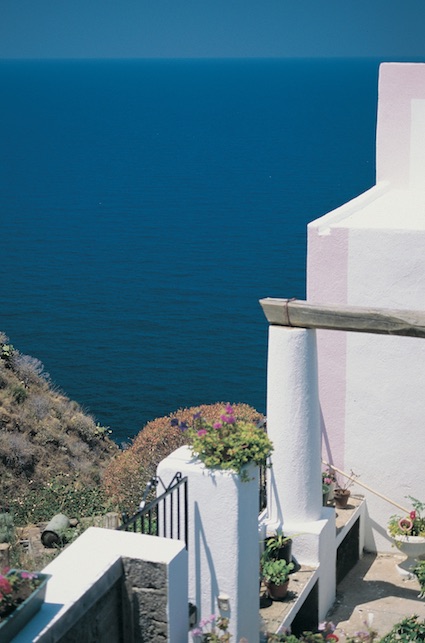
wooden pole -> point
(383, 321)
(365, 486)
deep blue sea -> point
(146, 206)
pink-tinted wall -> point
(399, 84)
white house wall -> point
(371, 252)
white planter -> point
(223, 536)
(331, 491)
(414, 548)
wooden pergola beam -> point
(382, 321)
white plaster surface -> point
(223, 540)
(417, 144)
(294, 483)
(394, 210)
(293, 425)
(370, 386)
(399, 157)
(328, 223)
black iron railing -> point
(166, 515)
(262, 424)
(262, 487)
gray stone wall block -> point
(147, 590)
(152, 602)
(141, 573)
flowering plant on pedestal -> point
(411, 525)
(408, 533)
(229, 442)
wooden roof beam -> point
(382, 321)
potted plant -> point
(325, 493)
(21, 596)
(408, 534)
(278, 546)
(275, 574)
(329, 479)
(342, 491)
(230, 442)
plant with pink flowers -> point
(328, 476)
(411, 525)
(15, 587)
(229, 442)
(218, 630)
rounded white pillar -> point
(293, 425)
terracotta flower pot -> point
(277, 592)
(341, 497)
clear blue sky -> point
(389, 29)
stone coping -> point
(345, 518)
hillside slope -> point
(44, 436)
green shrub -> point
(6, 354)
(7, 528)
(19, 394)
(305, 637)
(63, 494)
(419, 572)
(408, 630)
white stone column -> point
(293, 425)
(223, 541)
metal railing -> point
(166, 515)
(262, 487)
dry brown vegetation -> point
(127, 474)
(55, 458)
(45, 438)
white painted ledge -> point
(340, 216)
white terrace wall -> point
(371, 252)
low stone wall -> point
(147, 598)
(102, 622)
(133, 609)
